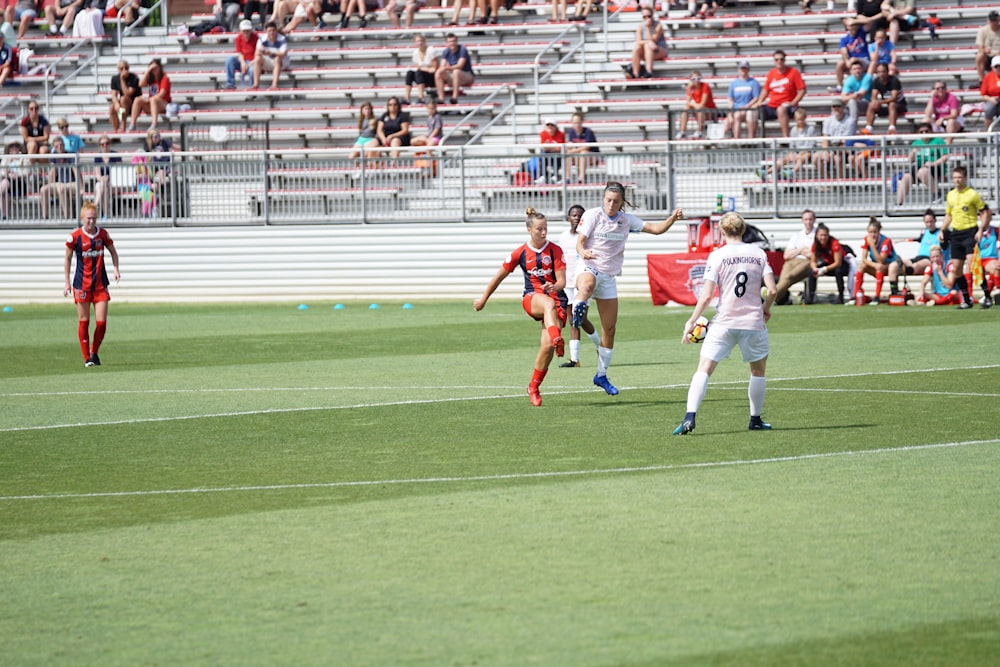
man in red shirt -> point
(783, 90)
(246, 47)
(990, 90)
(552, 139)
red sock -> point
(859, 279)
(538, 376)
(968, 281)
(879, 278)
(82, 332)
(554, 332)
(99, 330)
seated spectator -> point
(6, 62)
(160, 147)
(897, 16)
(72, 143)
(410, 9)
(887, 99)
(879, 259)
(987, 43)
(580, 147)
(102, 175)
(35, 130)
(434, 129)
(928, 238)
(22, 12)
(801, 147)
(60, 181)
(367, 130)
(990, 90)
(126, 10)
(942, 111)
(15, 177)
(558, 11)
(857, 91)
(349, 8)
(552, 139)
(9, 33)
(272, 54)
(699, 102)
(868, 11)
(940, 277)
(157, 96)
(836, 128)
(743, 94)
(650, 45)
(827, 258)
(245, 46)
(124, 90)
(928, 161)
(853, 46)
(582, 10)
(301, 10)
(224, 17)
(783, 90)
(797, 253)
(454, 67)
(394, 126)
(264, 11)
(882, 50)
(60, 15)
(425, 64)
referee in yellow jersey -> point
(965, 218)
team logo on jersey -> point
(546, 260)
(696, 279)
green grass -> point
(258, 485)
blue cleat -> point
(605, 384)
(758, 424)
(685, 428)
(579, 315)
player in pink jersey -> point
(600, 246)
(739, 270)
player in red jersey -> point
(90, 282)
(543, 299)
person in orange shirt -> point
(700, 102)
(782, 92)
(990, 90)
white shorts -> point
(606, 286)
(720, 341)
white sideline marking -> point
(502, 477)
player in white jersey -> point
(740, 318)
(600, 246)
(567, 241)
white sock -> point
(603, 359)
(574, 350)
(696, 392)
(595, 338)
(756, 392)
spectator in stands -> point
(89, 21)
(582, 11)
(454, 67)
(783, 90)
(857, 91)
(801, 147)
(826, 258)
(879, 259)
(868, 11)
(699, 102)
(836, 127)
(928, 238)
(473, 5)
(124, 90)
(15, 177)
(60, 181)
(367, 130)
(72, 143)
(580, 142)
(551, 139)
(434, 128)
(887, 98)
(126, 10)
(410, 9)
(558, 11)
(102, 175)
(650, 45)
(240, 61)
(60, 15)
(6, 62)
(301, 10)
(9, 33)
(940, 276)
(272, 54)
(990, 90)
(425, 64)
(897, 16)
(35, 130)
(928, 161)
(22, 12)
(743, 93)
(797, 253)
(157, 96)
(942, 110)
(987, 43)
(394, 126)
(882, 50)
(853, 46)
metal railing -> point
(490, 183)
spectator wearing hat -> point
(552, 139)
(743, 93)
(990, 90)
(6, 61)
(987, 43)
(242, 59)
(71, 142)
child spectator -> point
(367, 130)
(434, 128)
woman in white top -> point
(739, 270)
(425, 63)
(600, 247)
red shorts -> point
(94, 296)
(526, 304)
(949, 299)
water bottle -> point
(859, 297)
(732, 204)
(718, 203)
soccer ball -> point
(700, 329)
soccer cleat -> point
(684, 428)
(88, 362)
(758, 424)
(965, 305)
(96, 360)
(536, 398)
(986, 302)
(570, 364)
(605, 384)
(579, 314)
(560, 346)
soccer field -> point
(262, 485)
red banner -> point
(678, 277)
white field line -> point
(503, 477)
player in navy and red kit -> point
(879, 259)
(543, 299)
(90, 282)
